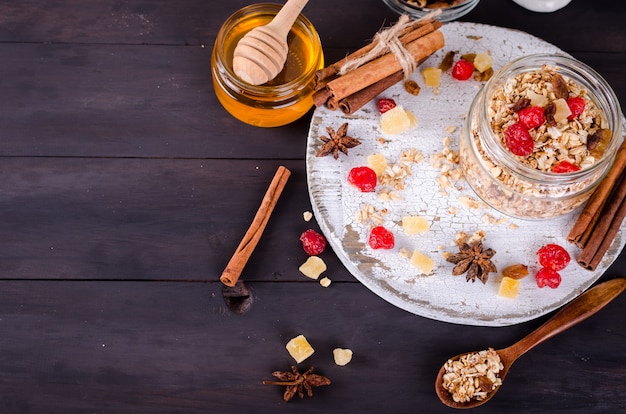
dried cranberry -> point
(462, 69)
(385, 104)
(576, 106)
(518, 140)
(564, 167)
(364, 178)
(553, 256)
(531, 117)
(313, 243)
(548, 277)
(381, 238)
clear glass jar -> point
(447, 13)
(282, 100)
(514, 188)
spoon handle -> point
(284, 19)
(576, 311)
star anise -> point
(337, 141)
(475, 260)
(296, 383)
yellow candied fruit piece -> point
(482, 62)
(397, 120)
(415, 224)
(432, 77)
(424, 263)
(536, 99)
(509, 288)
(378, 163)
(562, 110)
(342, 356)
(313, 267)
(325, 282)
(299, 348)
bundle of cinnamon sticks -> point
(601, 218)
(378, 71)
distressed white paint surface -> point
(439, 296)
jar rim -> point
(261, 90)
(579, 72)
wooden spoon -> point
(576, 311)
(261, 54)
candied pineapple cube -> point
(482, 62)
(562, 110)
(299, 348)
(536, 99)
(397, 120)
(424, 263)
(509, 287)
(325, 282)
(415, 224)
(313, 267)
(378, 163)
(342, 356)
(432, 77)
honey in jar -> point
(283, 99)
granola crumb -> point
(307, 216)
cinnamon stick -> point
(600, 242)
(354, 102)
(586, 222)
(414, 31)
(251, 238)
(383, 66)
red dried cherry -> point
(462, 69)
(381, 238)
(518, 140)
(553, 256)
(531, 117)
(364, 178)
(548, 277)
(385, 104)
(576, 106)
(313, 243)
(564, 167)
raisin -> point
(576, 105)
(549, 110)
(447, 61)
(381, 238)
(462, 69)
(385, 104)
(412, 87)
(518, 140)
(520, 104)
(548, 277)
(564, 167)
(559, 87)
(553, 256)
(313, 243)
(364, 178)
(531, 117)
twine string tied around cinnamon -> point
(386, 40)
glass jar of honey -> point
(283, 99)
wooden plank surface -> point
(174, 348)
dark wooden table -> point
(125, 187)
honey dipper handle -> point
(576, 311)
(284, 19)
(238, 261)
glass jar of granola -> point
(540, 135)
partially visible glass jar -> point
(448, 13)
(282, 100)
(504, 182)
